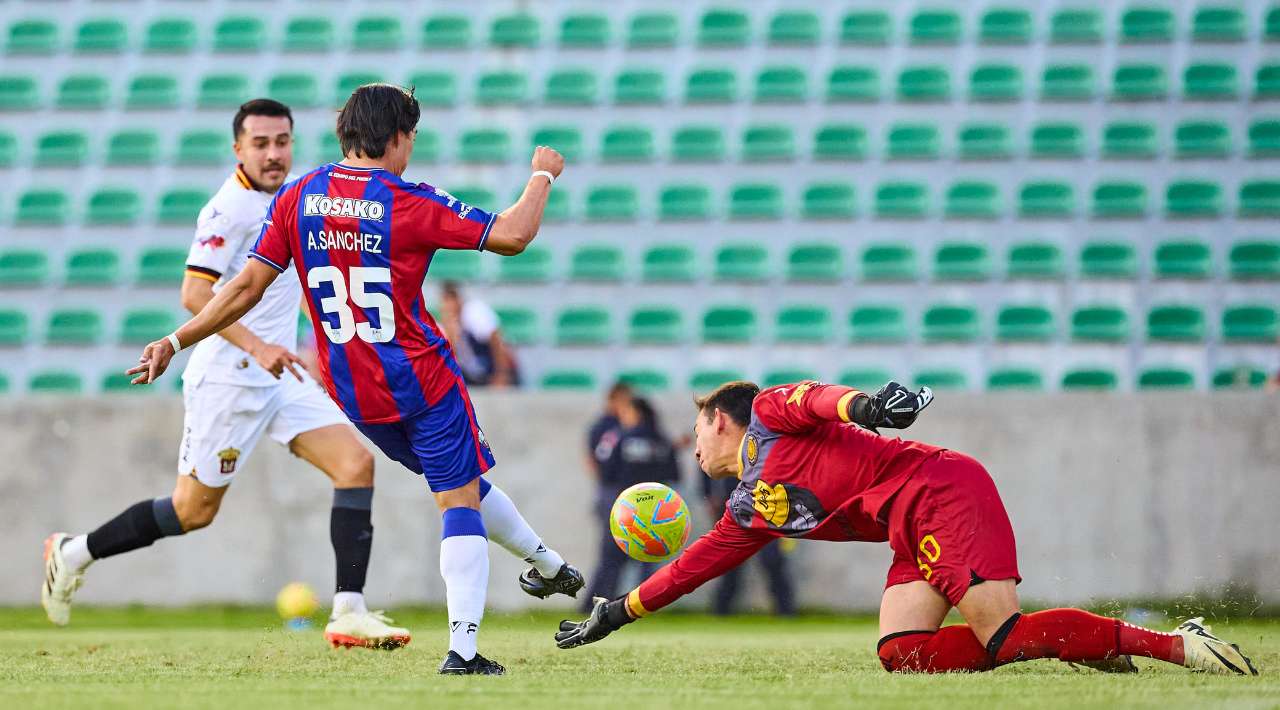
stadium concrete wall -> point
(1111, 496)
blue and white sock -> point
(464, 564)
(508, 528)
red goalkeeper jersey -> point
(805, 472)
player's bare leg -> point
(504, 524)
(464, 565)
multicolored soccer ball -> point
(650, 522)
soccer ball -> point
(296, 601)
(650, 522)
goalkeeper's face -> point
(265, 149)
(718, 439)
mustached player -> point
(236, 388)
(361, 240)
(806, 470)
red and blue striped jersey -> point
(361, 240)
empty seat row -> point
(85, 326)
(91, 267)
(70, 382)
(50, 207)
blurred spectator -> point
(472, 328)
(307, 348)
(772, 559)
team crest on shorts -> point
(227, 458)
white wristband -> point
(551, 179)
(173, 340)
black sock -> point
(351, 532)
(138, 526)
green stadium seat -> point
(983, 141)
(866, 379)
(815, 262)
(768, 142)
(972, 199)
(531, 266)
(1005, 26)
(203, 148)
(781, 84)
(924, 83)
(656, 325)
(297, 90)
(572, 380)
(8, 149)
(707, 380)
(75, 326)
(83, 92)
(102, 36)
(653, 30)
(1090, 379)
(961, 261)
(787, 375)
(742, 262)
(571, 87)
(722, 27)
(141, 326)
(517, 30)
(995, 82)
(684, 201)
(950, 323)
(1218, 23)
(1129, 139)
(1260, 198)
(913, 141)
(446, 32)
(1178, 323)
(878, 323)
(840, 141)
(152, 91)
(41, 206)
(1015, 379)
(640, 86)
(1067, 82)
(437, 89)
(161, 266)
(1193, 198)
(93, 267)
(567, 140)
(868, 27)
(33, 37)
(1255, 260)
(1108, 260)
(645, 380)
(377, 33)
(1250, 323)
(755, 201)
(1166, 378)
(1183, 259)
(14, 328)
(63, 149)
(853, 83)
(133, 148)
(1025, 323)
(711, 86)
(1076, 26)
(728, 324)
(501, 87)
(519, 325)
(804, 324)
(1046, 199)
(239, 34)
(114, 206)
(935, 26)
(59, 382)
(1267, 82)
(669, 263)
(1139, 82)
(583, 325)
(171, 35)
(18, 93)
(597, 262)
(1271, 24)
(1202, 139)
(901, 200)
(1264, 138)
(941, 379)
(627, 144)
(484, 145)
(23, 267)
(1205, 81)
(223, 91)
(1057, 139)
(1100, 323)
(1119, 199)
(828, 200)
(613, 203)
(797, 28)
(893, 261)
(452, 265)
(308, 34)
(1240, 377)
(584, 31)
(181, 206)
(1146, 24)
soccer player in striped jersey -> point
(361, 240)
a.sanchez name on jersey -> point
(227, 227)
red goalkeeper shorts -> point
(948, 527)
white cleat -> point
(60, 581)
(1202, 651)
(365, 629)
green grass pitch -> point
(237, 658)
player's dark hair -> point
(259, 107)
(372, 117)
(732, 398)
(619, 388)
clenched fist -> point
(548, 159)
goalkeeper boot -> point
(1202, 651)
(1115, 664)
(365, 629)
(478, 665)
(568, 581)
(60, 581)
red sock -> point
(951, 648)
(1077, 635)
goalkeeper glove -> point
(606, 617)
(892, 407)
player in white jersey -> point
(236, 388)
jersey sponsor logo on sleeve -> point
(798, 393)
(325, 206)
(213, 241)
(227, 460)
(464, 209)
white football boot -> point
(365, 629)
(1202, 651)
(60, 581)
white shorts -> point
(223, 422)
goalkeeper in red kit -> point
(811, 466)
